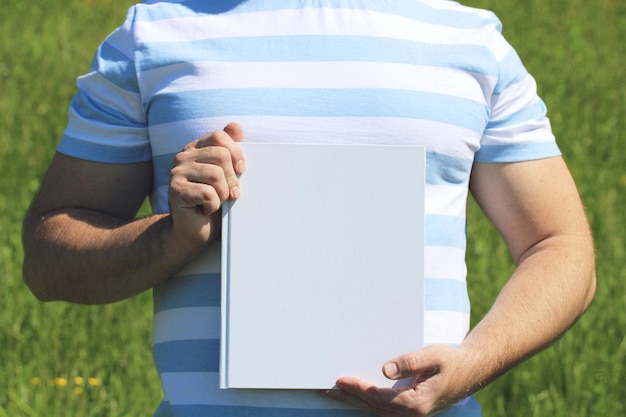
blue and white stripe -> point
(424, 72)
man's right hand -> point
(204, 175)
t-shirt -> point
(422, 72)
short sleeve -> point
(107, 122)
(518, 128)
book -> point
(322, 264)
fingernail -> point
(236, 192)
(241, 166)
(391, 370)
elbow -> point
(36, 282)
(591, 290)
(590, 281)
(35, 273)
(46, 287)
(31, 271)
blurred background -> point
(58, 359)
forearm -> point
(91, 258)
(551, 287)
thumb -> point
(235, 131)
(421, 364)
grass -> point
(61, 359)
(575, 49)
(58, 359)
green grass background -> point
(58, 359)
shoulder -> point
(461, 15)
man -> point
(177, 75)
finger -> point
(367, 392)
(209, 165)
(228, 138)
(235, 131)
(189, 194)
(349, 391)
(233, 160)
(215, 167)
(200, 196)
(370, 398)
(420, 365)
(224, 181)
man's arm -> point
(536, 207)
(82, 242)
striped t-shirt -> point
(423, 72)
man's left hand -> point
(436, 385)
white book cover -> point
(322, 264)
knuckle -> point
(176, 185)
(232, 180)
(175, 171)
(183, 155)
(220, 136)
(215, 138)
(222, 154)
(214, 190)
(189, 146)
(211, 202)
(410, 362)
(222, 192)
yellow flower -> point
(79, 380)
(36, 380)
(78, 390)
(61, 382)
(94, 382)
